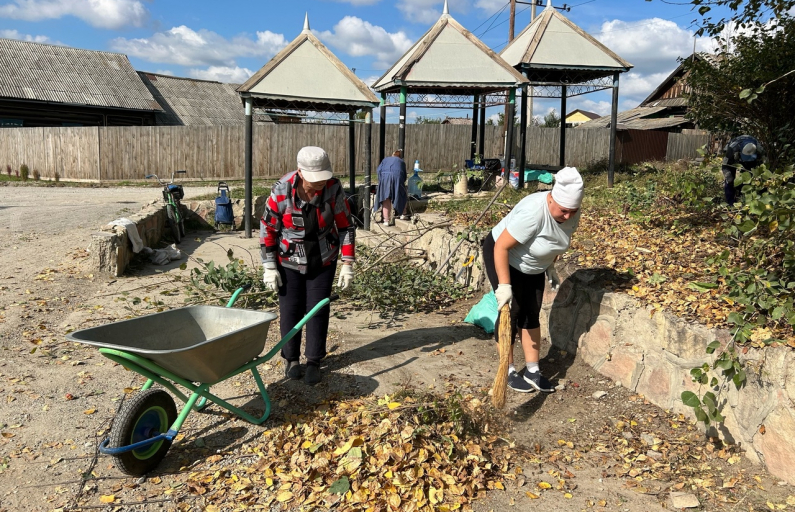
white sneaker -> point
(386, 223)
(404, 217)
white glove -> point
(346, 276)
(552, 277)
(271, 278)
(504, 294)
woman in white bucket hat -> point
(518, 253)
(307, 224)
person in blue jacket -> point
(743, 152)
(392, 190)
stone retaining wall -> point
(111, 250)
(652, 354)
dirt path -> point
(58, 399)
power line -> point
(497, 13)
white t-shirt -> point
(540, 236)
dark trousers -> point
(528, 293)
(298, 294)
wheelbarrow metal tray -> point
(198, 343)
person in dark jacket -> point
(306, 225)
(741, 152)
(392, 190)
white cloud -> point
(490, 6)
(651, 45)
(164, 72)
(370, 80)
(14, 34)
(597, 107)
(358, 38)
(109, 14)
(186, 47)
(428, 11)
(225, 74)
(654, 47)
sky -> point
(230, 40)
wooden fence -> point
(128, 153)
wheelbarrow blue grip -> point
(103, 446)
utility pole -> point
(508, 105)
(529, 106)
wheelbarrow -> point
(195, 347)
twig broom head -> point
(504, 343)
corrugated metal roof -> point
(553, 41)
(306, 71)
(44, 72)
(638, 119)
(192, 102)
(448, 55)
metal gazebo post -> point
(523, 135)
(613, 122)
(382, 128)
(509, 133)
(482, 127)
(352, 151)
(562, 125)
(368, 166)
(402, 126)
(247, 208)
(473, 148)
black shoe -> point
(293, 370)
(312, 375)
(517, 383)
(538, 382)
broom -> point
(504, 342)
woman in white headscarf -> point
(518, 253)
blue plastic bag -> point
(484, 313)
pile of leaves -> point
(669, 242)
(656, 452)
(405, 452)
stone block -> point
(596, 343)
(103, 252)
(623, 367)
(655, 381)
(776, 446)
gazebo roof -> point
(306, 75)
(449, 59)
(552, 49)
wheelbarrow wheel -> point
(146, 415)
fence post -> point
(368, 166)
(613, 121)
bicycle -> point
(172, 194)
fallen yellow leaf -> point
(108, 498)
(90, 411)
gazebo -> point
(306, 77)
(560, 60)
(446, 68)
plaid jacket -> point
(282, 240)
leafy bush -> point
(24, 171)
(36, 175)
(765, 280)
(8, 170)
(397, 286)
(57, 177)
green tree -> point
(743, 13)
(427, 120)
(551, 120)
(758, 58)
